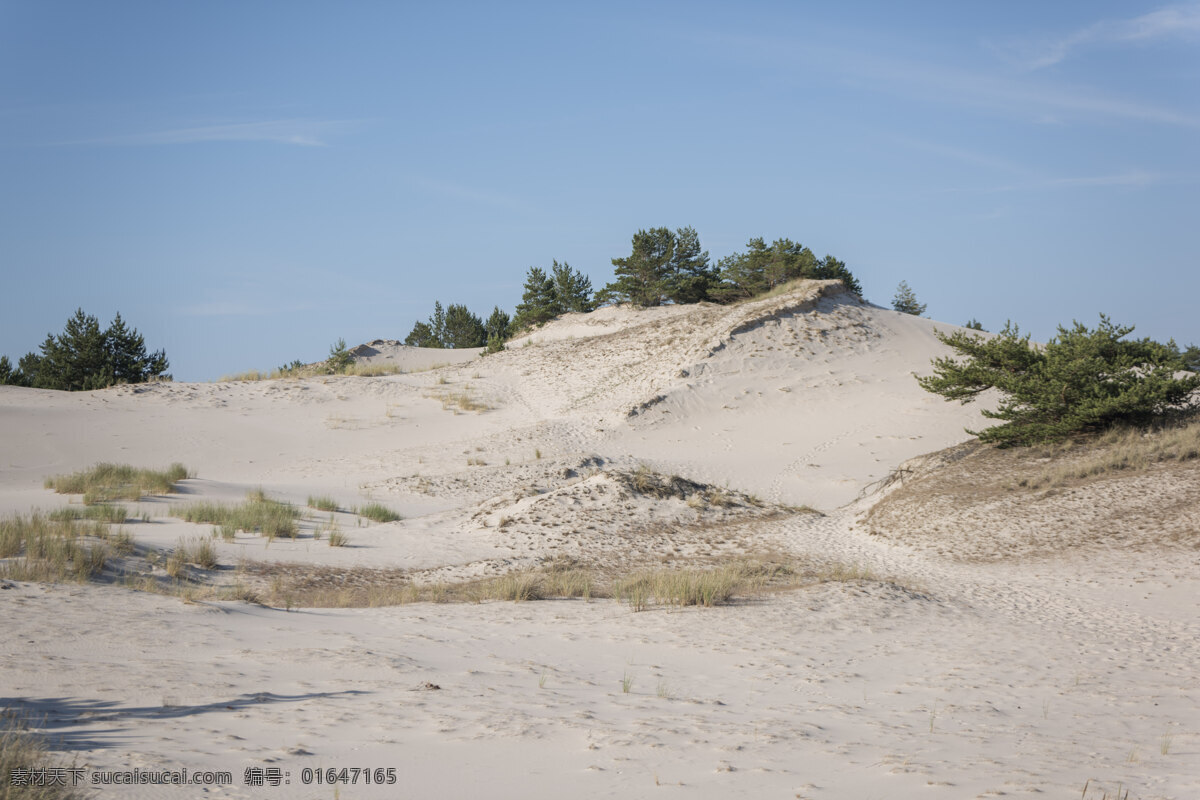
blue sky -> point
(246, 182)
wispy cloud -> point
(1171, 22)
(1036, 99)
(299, 132)
(1027, 96)
(1134, 177)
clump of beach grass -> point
(257, 375)
(378, 513)
(103, 512)
(259, 514)
(685, 587)
(50, 551)
(106, 482)
(372, 370)
(198, 551)
(517, 587)
(322, 503)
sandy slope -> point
(937, 677)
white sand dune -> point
(1035, 674)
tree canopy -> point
(666, 266)
(643, 278)
(691, 277)
(463, 329)
(572, 290)
(451, 327)
(538, 304)
(85, 357)
(548, 296)
(762, 267)
(1081, 381)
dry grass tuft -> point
(372, 370)
(22, 750)
(1117, 450)
(317, 369)
(48, 550)
(690, 586)
(458, 401)
(646, 482)
(113, 515)
(106, 482)
(295, 585)
(198, 551)
(1123, 488)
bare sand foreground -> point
(948, 642)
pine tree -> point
(642, 277)
(830, 268)
(691, 275)
(539, 303)
(421, 336)
(906, 302)
(127, 353)
(1080, 381)
(431, 333)
(1191, 358)
(28, 370)
(572, 289)
(7, 372)
(497, 325)
(339, 358)
(974, 324)
(76, 359)
(437, 324)
(462, 328)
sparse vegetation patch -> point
(106, 482)
(556, 579)
(39, 548)
(322, 503)
(378, 512)
(21, 750)
(103, 512)
(258, 514)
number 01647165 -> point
(348, 775)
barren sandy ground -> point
(967, 654)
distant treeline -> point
(664, 266)
(84, 357)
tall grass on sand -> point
(106, 482)
(259, 514)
